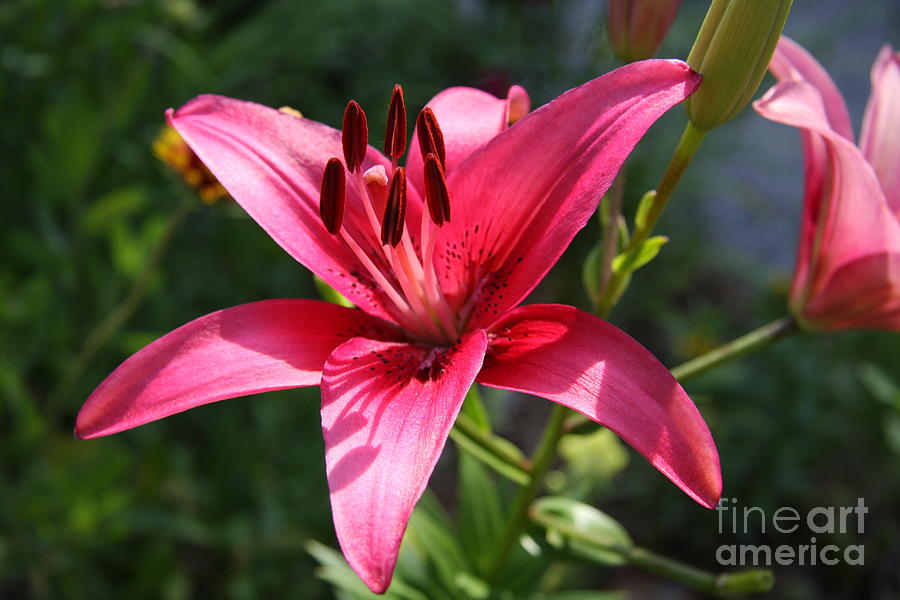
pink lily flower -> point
(437, 257)
(848, 263)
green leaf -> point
(471, 444)
(879, 385)
(639, 256)
(480, 511)
(335, 570)
(329, 294)
(115, 206)
(601, 537)
(592, 459)
(474, 409)
(430, 533)
(643, 209)
(590, 272)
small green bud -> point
(732, 52)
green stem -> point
(541, 460)
(747, 343)
(106, 328)
(611, 230)
(684, 153)
(466, 432)
(723, 584)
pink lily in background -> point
(848, 262)
(437, 256)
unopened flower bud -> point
(732, 52)
(637, 27)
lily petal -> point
(880, 135)
(791, 62)
(520, 199)
(851, 240)
(468, 118)
(578, 360)
(247, 349)
(387, 409)
(272, 164)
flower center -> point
(406, 277)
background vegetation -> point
(219, 502)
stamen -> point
(395, 133)
(331, 202)
(431, 139)
(436, 195)
(354, 135)
(395, 209)
(291, 111)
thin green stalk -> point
(611, 230)
(541, 460)
(106, 328)
(514, 465)
(722, 584)
(747, 343)
(688, 145)
(684, 153)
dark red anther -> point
(436, 195)
(431, 140)
(354, 135)
(395, 133)
(331, 202)
(395, 209)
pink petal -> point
(849, 257)
(387, 409)
(247, 349)
(861, 294)
(519, 200)
(880, 136)
(468, 118)
(272, 164)
(791, 62)
(580, 361)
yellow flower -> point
(172, 150)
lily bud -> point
(732, 52)
(637, 27)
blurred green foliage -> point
(222, 501)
